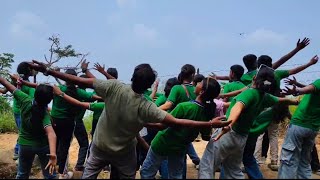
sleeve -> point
(316, 85)
(31, 92)
(246, 98)
(282, 74)
(46, 121)
(270, 100)
(161, 100)
(96, 106)
(103, 87)
(173, 96)
(84, 95)
(21, 97)
(152, 114)
(178, 111)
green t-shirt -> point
(262, 122)
(62, 109)
(233, 86)
(29, 135)
(161, 100)
(178, 94)
(254, 102)
(126, 114)
(174, 140)
(97, 109)
(308, 112)
(29, 91)
(279, 75)
(247, 78)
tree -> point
(6, 60)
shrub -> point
(7, 123)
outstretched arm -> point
(298, 69)
(294, 82)
(233, 93)
(300, 45)
(7, 85)
(86, 82)
(70, 99)
(52, 139)
(84, 68)
(166, 106)
(99, 68)
(154, 90)
(3, 91)
(296, 92)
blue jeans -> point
(26, 157)
(191, 152)
(17, 118)
(153, 161)
(249, 161)
(296, 153)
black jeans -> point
(82, 137)
(64, 130)
(315, 165)
(265, 144)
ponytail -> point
(211, 89)
(210, 109)
(265, 81)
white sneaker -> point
(69, 175)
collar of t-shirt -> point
(197, 103)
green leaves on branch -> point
(6, 60)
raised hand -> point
(314, 60)
(291, 81)
(84, 65)
(98, 67)
(38, 66)
(213, 75)
(52, 163)
(293, 91)
(304, 43)
(15, 77)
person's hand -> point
(98, 67)
(314, 60)
(52, 163)
(156, 84)
(56, 90)
(14, 77)
(304, 43)
(289, 81)
(290, 91)
(38, 66)
(225, 130)
(84, 65)
(219, 122)
(213, 75)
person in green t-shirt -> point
(300, 137)
(184, 92)
(228, 149)
(36, 135)
(25, 72)
(236, 72)
(172, 142)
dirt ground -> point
(8, 167)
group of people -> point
(137, 128)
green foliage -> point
(7, 123)
(6, 60)
(4, 105)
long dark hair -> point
(265, 81)
(169, 85)
(280, 110)
(24, 70)
(187, 72)
(42, 97)
(211, 90)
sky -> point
(167, 33)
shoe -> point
(262, 160)
(69, 175)
(17, 162)
(106, 169)
(79, 169)
(273, 166)
(196, 162)
(15, 156)
(317, 172)
(197, 167)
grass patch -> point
(7, 122)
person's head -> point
(208, 89)
(265, 60)
(24, 70)
(264, 81)
(42, 97)
(250, 61)
(169, 85)
(113, 72)
(197, 78)
(71, 88)
(143, 77)
(236, 72)
(82, 76)
(187, 73)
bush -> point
(7, 122)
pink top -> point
(219, 107)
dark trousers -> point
(265, 145)
(64, 130)
(82, 137)
(315, 165)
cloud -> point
(142, 32)
(25, 25)
(126, 3)
(263, 36)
